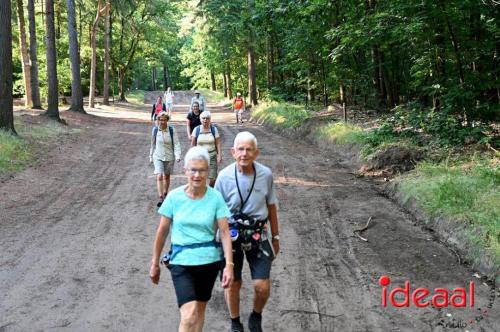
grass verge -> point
(466, 192)
(134, 97)
(213, 96)
(17, 151)
(284, 115)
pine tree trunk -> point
(212, 80)
(121, 90)
(24, 54)
(107, 38)
(35, 84)
(165, 77)
(53, 88)
(74, 55)
(229, 82)
(93, 60)
(6, 102)
(224, 83)
(252, 81)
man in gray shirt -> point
(199, 99)
(247, 188)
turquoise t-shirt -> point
(194, 221)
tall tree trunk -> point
(252, 80)
(24, 54)
(6, 102)
(35, 84)
(53, 87)
(57, 19)
(107, 37)
(229, 81)
(80, 26)
(93, 61)
(270, 61)
(212, 80)
(224, 83)
(74, 55)
(165, 77)
(121, 88)
(153, 79)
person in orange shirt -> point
(239, 107)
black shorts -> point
(259, 262)
(194, 283)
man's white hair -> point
(205, 114)
(245, 136)
(196, 153)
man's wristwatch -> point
(276, 237)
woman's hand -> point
(227, 276)
(219, 158)
(154, 274)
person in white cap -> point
(199, 99)
(238, 107)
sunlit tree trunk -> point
(53, 92)
(212, 81)
(93, 61)
(74, 55)
(6, 102)
(107, 38)
(23, 47)
(224, 83)
(252, 81)
(35, 84)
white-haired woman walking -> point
(207, 136)
(194, 212)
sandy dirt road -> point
(76, 234)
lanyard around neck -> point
(238, 185)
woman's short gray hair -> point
(196, 153)
(245, 136)
(205, 114)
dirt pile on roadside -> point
(393, 159)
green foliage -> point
(462, 192)
(283, 115)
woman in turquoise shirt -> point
(194, 212)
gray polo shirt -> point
(263, 191)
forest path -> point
(76, 233)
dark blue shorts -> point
(194, 283)
(260, 263)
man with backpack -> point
(165, 148)
(207, 136)
(238, 107)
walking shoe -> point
(254, 323)
(160, 202)
(237, 327)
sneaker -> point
(236, 327)
(160, 202)
(254, 323)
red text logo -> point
(440, 297)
